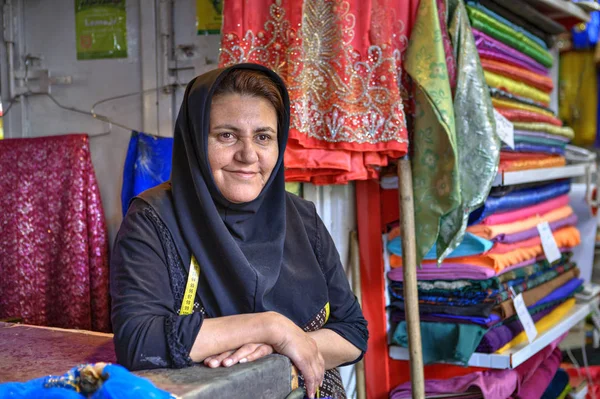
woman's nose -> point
(247, 152)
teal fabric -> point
(539, 141)
(444, 342)
(470, 245)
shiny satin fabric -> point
(53, 245)
(535, 148)
(525, 212)
(495, 49)
(519, 199)
(502, 94)
(517, 115)
(564, 131)
(516, 87)
(570, 220)
(516, 161)
(522, 136)
(516, 105)
(509, 36)
(538, 81)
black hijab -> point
(253, 256)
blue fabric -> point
(121, 384)
(519, 199)
(557, 385)
(527, 147)
(470, 245)
(562, 292)
(147, 164)
(586, 38)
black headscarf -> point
(253, 256)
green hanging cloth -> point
(478, 145)
(434, 167)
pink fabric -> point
(523, 213)
(452, 271)
(53, 242)
(534, 386)
(501, 248)
(492, 383)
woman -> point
(270, 278)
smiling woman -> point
(267, 274)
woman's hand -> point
(247, 353)
(302, 351)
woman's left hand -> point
(247, 353)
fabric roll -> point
(516, 105)
(478, 309)
(564, 131)
(470, 245)
(516, 87)
(525, 212)
(506, 309)
(570, 220)
(443, 342)
(446, 271)
(519, 198)
(517, 161)
(489, 47)
(535, 148)
(517, 115)
(571, 287)
(508, 22)
(501, 191)
(509, 36)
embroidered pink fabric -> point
(53, 241)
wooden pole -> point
(409, 268)
(361, 391)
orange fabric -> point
(514, 161)
(541, 82)
(499, 103)
(490, 231)
(567, 237)
(518, 115)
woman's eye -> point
(226, 136)
(264, 137)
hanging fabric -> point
(342, 63)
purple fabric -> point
(561, 292)
(533, 232)
(492, 383)
(542, 135)
(544, 149)
(494, 48)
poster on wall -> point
(209, 14)
(101, 29)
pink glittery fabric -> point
(53, 241)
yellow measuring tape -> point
(187, 305)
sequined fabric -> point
(53, 242)
(342, 63)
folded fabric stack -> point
(516, 61)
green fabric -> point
(509, 36)
(444, 342)
(434, 168)
(539, 140)
(478, 146)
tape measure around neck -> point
(187, 304)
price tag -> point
(550, 248)
(525, 317)
(505, 129)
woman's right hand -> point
(302, 350)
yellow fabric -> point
(515, 87)
(543, 325)
(508, 104)
(564, 131)
(491, 231)
(578, 94)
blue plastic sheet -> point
(148, 164)
(519, 199)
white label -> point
(525, 317)
(505, 129)
(550, 248)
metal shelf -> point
(535, 175)
(560, 9)
(519, 354)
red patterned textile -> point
(53, 241)
(342, 62)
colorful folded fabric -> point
(539, 81)
(535, 386)
(516, 161)
(491, 320)
(477, 309)
(570, 220)
(515, 87)
(564, 131)
(488, 47)
(559, 382)
(539, 265)
(508, 22)
(522, 136)
(519, 198)
(542, 325)
(506, 309)
(509, 36)
(500, 103)
(535, 148)
(490, 231)
(470, 245)
(444, 342)
(529, 210)
(517, 115)
(502, 94)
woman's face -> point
(242, 145)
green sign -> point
(101, 27)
